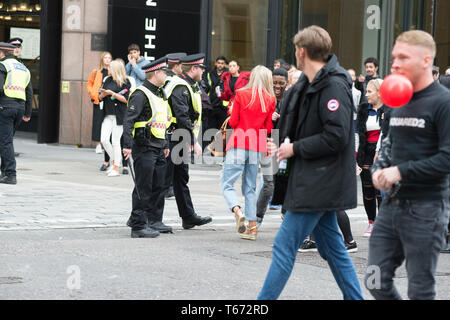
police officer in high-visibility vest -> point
(173, 60)
(185, 102)
(144, 133)
(16, 101)
(16, 42)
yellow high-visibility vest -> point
(161, 115)
(17, 79)
(196, 99)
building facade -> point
(74, 33)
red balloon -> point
(396, 90)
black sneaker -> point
(308, 246)
(195, 220)
(351, 247)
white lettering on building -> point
(150, 33)
(374, 19)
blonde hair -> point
(261, 79)
(118, 72)
(316, 41)
(419, 38)
(102, 64)
(376, 82)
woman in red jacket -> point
(233, 80)
(251, 118)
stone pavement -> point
(61, 187)
(65, 213)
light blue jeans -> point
(241, 162)
(294, 230)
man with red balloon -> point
(413, 167)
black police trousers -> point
(10, 120)
(148, 196)
(180, 180)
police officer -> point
(17, 43)
(16, 98)
(144, 133)
(173, 60)
(185, 102)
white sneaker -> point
(109, 169)
(99, 149)
(113, 173)
(368, 232)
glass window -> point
(239, 31)
(354, 27)
(289, 27)
(421, 15)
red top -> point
(251, 125)
(242, 81)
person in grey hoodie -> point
(135, 64)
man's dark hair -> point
(132, 47)
(281, 72)
(222, 58)
(372, 60)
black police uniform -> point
(182, 109)
(149, 165)
(172, 58)
(11, 113)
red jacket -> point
(242, 81)
(251, 125)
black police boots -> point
(8, 180)
(144, 233)
(161, 227)
(195, 220)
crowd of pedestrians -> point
(310, 129)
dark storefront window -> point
(22, 19)
(422, 15)
(289, 27)
(239, 31)
(354, 26)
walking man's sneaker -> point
(8, 180)
(308, 246)
(195, 220)
(351, 247)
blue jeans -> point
(411, 230)
(241, 162)
(294, 230)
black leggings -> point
(370, 194)
(344, 225)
